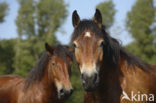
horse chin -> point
(90, 88)
(64, 94)
(63, 97)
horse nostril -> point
(61, 91)
(82, 75)
(95, 77)
(71, 91)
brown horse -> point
(48, 82)
(109, 74)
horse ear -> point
(71, 52)
(98, 18)
(75, 19)
(70, 49)
(48, 48)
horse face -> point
(88, 50)
(59, 72)
(89, 55)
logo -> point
(138, 97)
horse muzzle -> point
(64, 94)
(90, 83)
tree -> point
(108, 11)
(3, 11)
(6, 46)
(37, 23)
(6, 56)
(139, 23)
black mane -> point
(112, 48)
(38, 70)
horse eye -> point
(53, 64)
(102, 44)
(74, 45)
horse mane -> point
(38, 70)
(112, 48)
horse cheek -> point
(101, 56)
(77, 56)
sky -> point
(85, 9)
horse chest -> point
(94, 98)
(99, 98)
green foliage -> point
(24, 60)
(50, 15)
(26, 19)
(139, 24)
(77, 96)
(108, 11)
(3, 11)
(6, 56)
(37, 23)
(138, 21)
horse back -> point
(8, 86)
(153, 78)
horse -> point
(48, 81)
(109, 74)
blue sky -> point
(85, 9)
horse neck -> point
(109, 74)
(41, 90)
(109, 86)
(47, 89)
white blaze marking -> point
(87, 34)
(59, 86)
